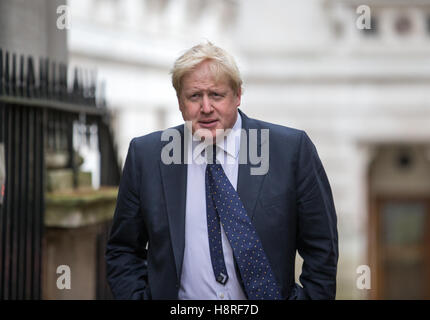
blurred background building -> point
(361, 95)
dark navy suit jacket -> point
(291, 207)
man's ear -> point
(239, 96)
(179, 102)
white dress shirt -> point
(198, 279)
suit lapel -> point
(248, 186)
(174, 180)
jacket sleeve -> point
(317, 238)
(126, 250)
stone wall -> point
(29, 27)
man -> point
(215, 229)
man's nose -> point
(206, 104)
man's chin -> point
(205, 134)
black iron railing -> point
(39, 103)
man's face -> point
(208, 104)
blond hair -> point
(223, 65)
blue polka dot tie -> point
(224, 206)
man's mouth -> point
(208, 123)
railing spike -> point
(41, 77)
(21, 76)
(6, 73)
(54, 80)
(63, 81)
(47, 78)
(30, 77)
(93, 85)
(76, 84)
(1, 71)
(13, 79)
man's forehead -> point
(212, 83)
(207, 86)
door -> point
(403, 249)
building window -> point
(428, 23)
(338, 29)
(403, 25)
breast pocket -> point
(272, 215)
(274, 201)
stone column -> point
(29, 27)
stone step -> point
(80, 208)
(62, 180)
